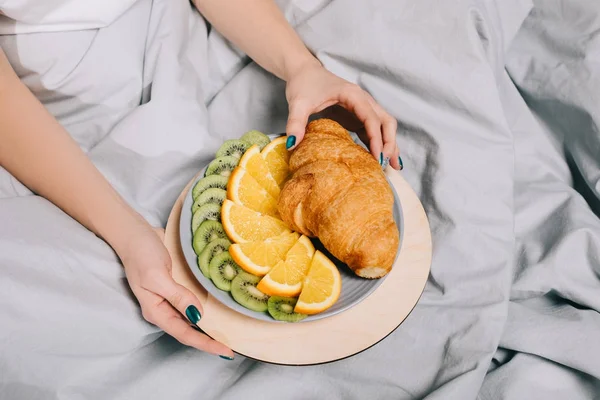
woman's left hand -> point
(312, 89)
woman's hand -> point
(163, 301)
(312, 89)
(260, 29)
(39, 152)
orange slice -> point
(277, 160)
(257, 167)
(285, 279)
(278, 146)
(243, 189)
(321, 287)
(259, 257)
(243, 225)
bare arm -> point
(259, 28)
(40, 153)
(37, 150)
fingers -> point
(389, 127)
(354, 100)
(299, 112)
(380, 127)
(173, 324)
(166, 307)
(397, 160)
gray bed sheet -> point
(498, 105)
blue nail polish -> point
(386, 162)
(401, 163)
(290, 142)
(226, 358)
(381, 158)
(193, 314)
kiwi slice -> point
(208, 182)
(208, 231)
(233, 147)
(206, 212)
(256, 137)
(210, 196)
(282, 309)
(222, 166)
(223, 270)
(212, 249)
(244, 291)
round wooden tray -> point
(333, 338)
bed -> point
(498, 109)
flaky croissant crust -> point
(338, 193)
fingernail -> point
(193, 314)
(381, 158)
(290, 142)
(386, 162)
(226, 358)
(401, 163)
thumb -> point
(189, 308)
(296, 125)
(182, 299)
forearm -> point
(259, 29)
(40, 153)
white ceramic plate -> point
(354, 288)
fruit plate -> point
(328, 339)
(354, 288)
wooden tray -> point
(333, 338)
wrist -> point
(293, 65)
(123, 228)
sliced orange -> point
(285, 278)
(321, 287)
(253, 162)
(243, 225)
(278, 146)
(276, 157)
(259, 257)
(243, 189)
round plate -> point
(329, 339)
(354, 288)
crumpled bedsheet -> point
(498, 109)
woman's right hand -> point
(312, 89)
(163, 301)
(39, 152)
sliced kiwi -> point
(223, 270)
(208, 211)
(210, 196)
(244, 291)
(212, 249)
(208, 231)
(222, 166)
(256, 137)
(282, 309)
(234, 147)
(208, 182)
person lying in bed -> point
(38, 151)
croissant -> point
(337, 192)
